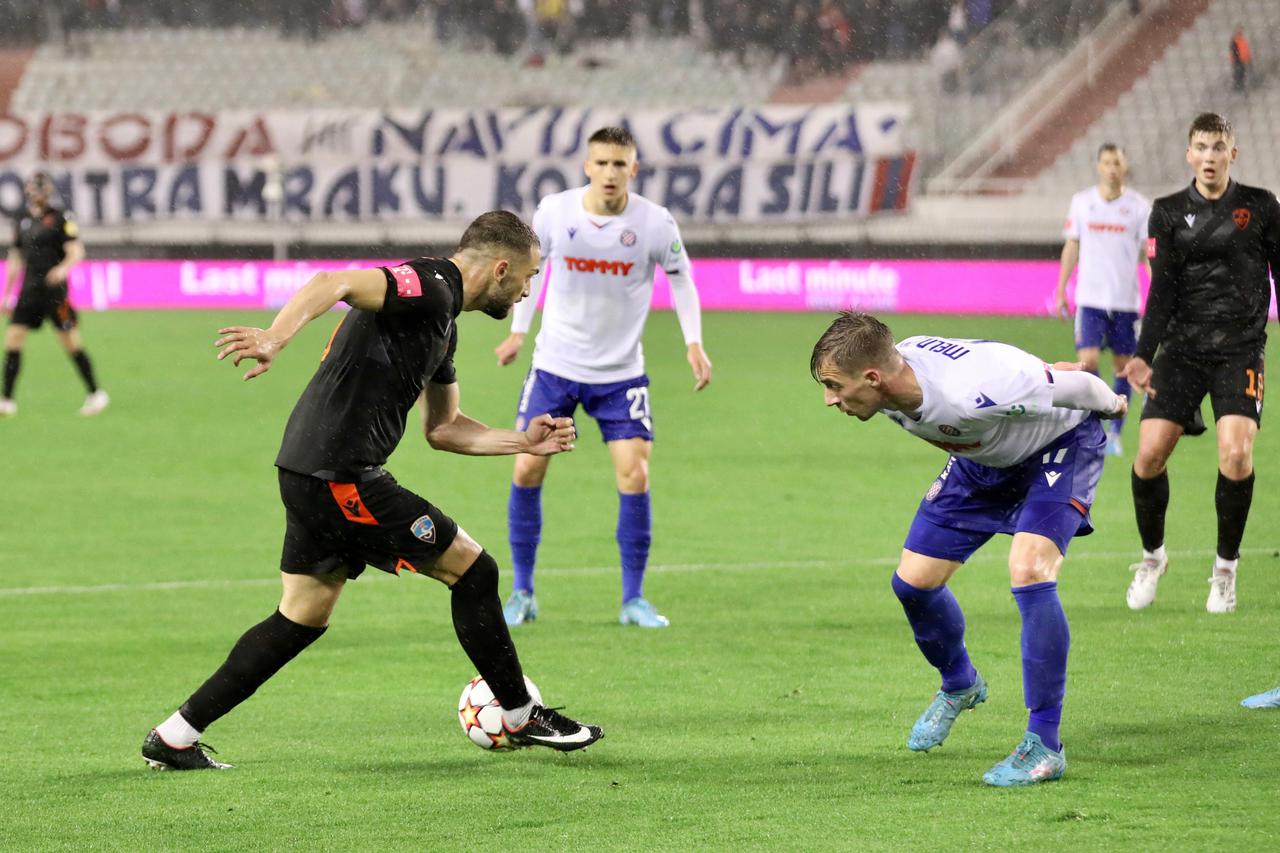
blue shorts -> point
(620, 408)
(1097, 328)
(1049, 494)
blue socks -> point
(524, 532)
(1045, 642)
(1121, 387)
(938, 624)
(635, 526)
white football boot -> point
(1146, 575)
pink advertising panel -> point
(910, 286)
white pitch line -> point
(672, 568)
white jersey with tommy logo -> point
(601, 272)
(1113, 237)
(983, 400)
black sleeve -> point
(1166, 274)
(446, 373)
(1271, 239)
(414, 287)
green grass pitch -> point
(773, 713)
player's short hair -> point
(1211, 123)
(854, 340)
(613, 135)
(498, 230)
(1108, 147)
(42, 182)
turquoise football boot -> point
(935, 723)
(521, 607)
(1270, 699)
(1030, 762)
(640, 612)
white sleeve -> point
(522, 313)
(1143, 218)
(674, 260)
(688, 308)
(1076, 389)
(1071, 230)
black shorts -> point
(1234, 387)
(38, 301)
(331, 526)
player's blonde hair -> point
(854, 340)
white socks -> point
(517, 717)
(177, 732)
(1158, 554)
(1225, 567)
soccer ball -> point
(481, 715)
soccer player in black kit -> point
(1211, 246)
(45, 247)
(343, 510)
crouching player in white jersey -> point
(1106, 234)
(1026, 451)
(601, 244)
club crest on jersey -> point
(628, 238)
(934, 490)
(424, 528)
(948, 429)
(1242, 216)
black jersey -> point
(42, 241)
(1210, 288)
(353, 412)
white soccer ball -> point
(481, 715)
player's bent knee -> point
(480, 579)
(457, 559)
(310, 599)
(1236, 462)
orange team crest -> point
(1241, 215)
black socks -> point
(256, 656)
(12, 363)
(1150, 501)
(86, 369)
(1232, 499)
(483, 633)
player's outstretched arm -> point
(447, 428)
(365, 289)
(1076, 389)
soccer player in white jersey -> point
(1106, 235)
(601, 245)
(1026, 449)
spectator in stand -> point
(946, 58)
(958, 22)
(1241, 59)
(835, 39)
